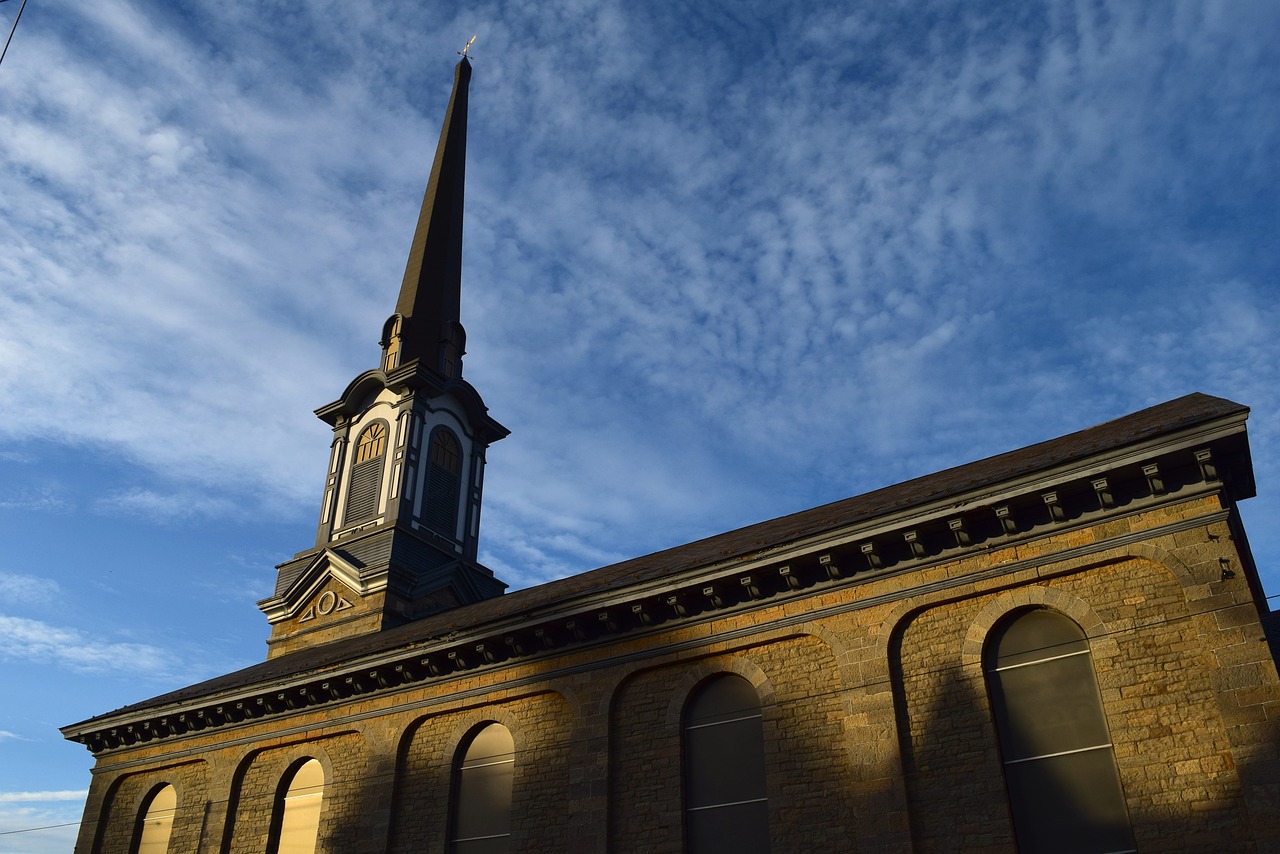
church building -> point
(1057, 649)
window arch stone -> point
(703, 671)
(1031, 596)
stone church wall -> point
(878, 729)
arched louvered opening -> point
(1064, 786)
(391, 342)
(453, 345)
(296, 820)
(365, 486)
(481, 819)
(444, 481)
(155, 824)
(726, 804)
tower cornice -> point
(414, 378)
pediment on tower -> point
(328, 585)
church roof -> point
(972, 481)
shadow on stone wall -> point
(951, 772)
(959, 801)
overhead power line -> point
(47, 826)
(11, 29)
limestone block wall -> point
(539, 725)
(799, 687)
(126, 800)
(878, 729)
(255, 791)
(1171, 740)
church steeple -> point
(427, 324)
(400, 515)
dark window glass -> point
(1064, 787)
(444, 469)
(452, 345)
(726, 806)
(446, 452)
(482, 794)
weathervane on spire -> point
(462, 53)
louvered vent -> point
(442, 502)
(362, 497)
(444, 470)
(366, 474)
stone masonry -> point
(879, 735)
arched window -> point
(156, 823)
(726, 807)
(366, 473)
(444, 474)
(482, 794)
(1064, 787)
(453, 344)
(391, 331)
(297, 813)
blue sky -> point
(724, 261)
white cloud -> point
(39, 824)
(859, 245)
(28, 640)
(38, 499)
(167, 507)
(16, 589)
(42, 797)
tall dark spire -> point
(400, 515)
(427, 324)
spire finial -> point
(465, 52)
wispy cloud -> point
(37, 500)
(42, 797)
(167, 507)
(865, 243)
(39, 822)
(27, 589)
(36, 641)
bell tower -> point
(400, 515)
